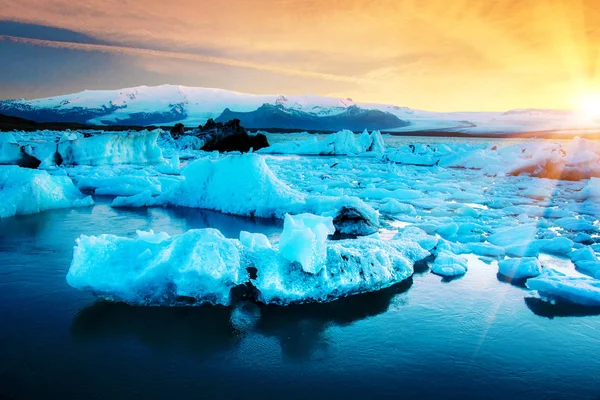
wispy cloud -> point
(113, 49)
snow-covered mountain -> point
(169, 104)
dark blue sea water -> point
(471, 338)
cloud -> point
(429, 53)
(111, 49)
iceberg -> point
(557, 286)
(245, 185)
(28, 191)
(449, 264)
(344, 142)
(111, 148)
(202, 266)
(237, 184)
(198, 265)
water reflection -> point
(560, 309)
(517, 282)
(28, 226)
(299, 329)
(207, 330)
(198, 330)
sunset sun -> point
(589, 105)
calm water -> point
(471, 338)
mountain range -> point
(170, 104)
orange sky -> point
(429, 54)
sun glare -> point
(589, 105)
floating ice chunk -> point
(583, 254)
(236, 184)
(589, 267)
(399, 194)
(451, 247)
(245, 185)
(582, 237)
(448, 230)
(28, 191)
(254, 241)
(520, 268)
(486, 250)
(558, 245)
(530, 249)
(121, 180)
(514, 236)
(143, 199)
(111, 148)
(422, 155)
(586, 261)
(352, 267)
(555, 285)
(172, 166)
(574, 224)
(343, 142)
(449, 264)
(364, 140)
(393, 206)
(592, 189)
(579, 160)
(152, 237)
(378, 145)
(203, 266)
(10, 150)
(303, 240)
(350, 215)
(45, 152)
(414, 234)
(200, 265)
